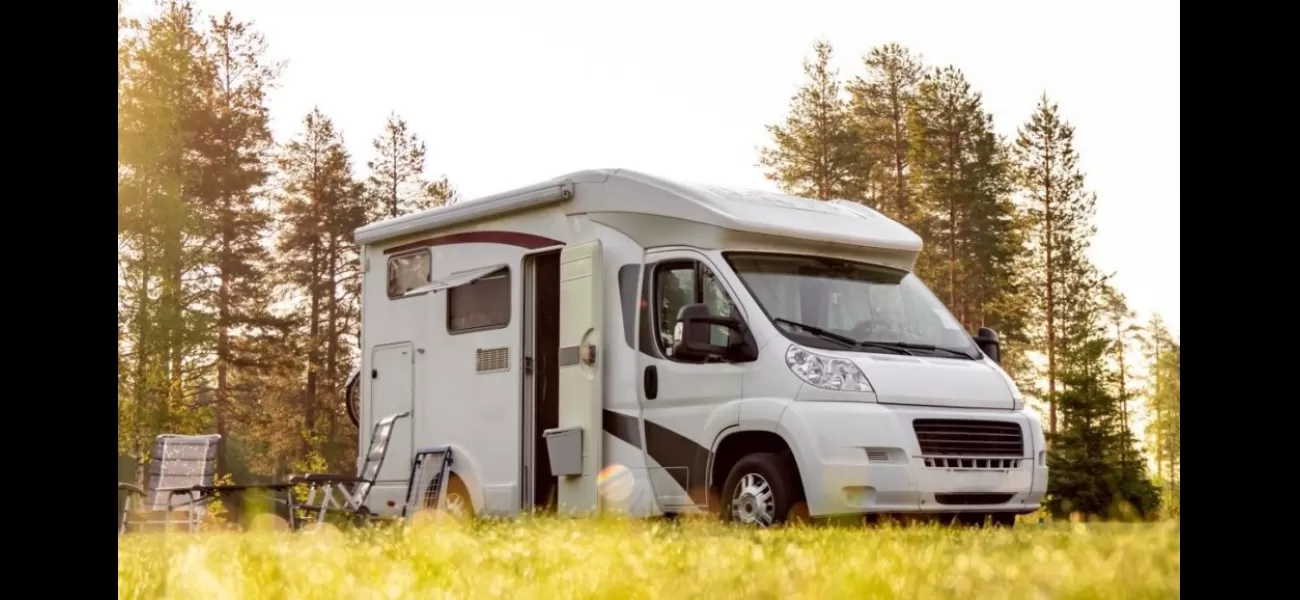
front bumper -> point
(858, 458)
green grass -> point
(635, 559)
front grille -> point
(975, 464)
(969, 499)
(961, 437)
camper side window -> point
(483, 304)
(409, 271)
(680, 283)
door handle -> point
(651, 382)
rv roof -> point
(733, 208)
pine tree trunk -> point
(1159, 422)
(332, 343)
(1051, 295)
(313, 335)
(223, 330)
(900, 195)
(392, 179)
(174, 314)
(1123, 393)
(143, 347)
(899, 190)
(954, 145)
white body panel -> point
(856, 456)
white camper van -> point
(748, 353)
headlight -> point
(826, 372)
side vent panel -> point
(492, 360)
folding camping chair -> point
(178, 464)
(181, 471)
(346, 494)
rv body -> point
(554, 308)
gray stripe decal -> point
(568, 356)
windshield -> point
(863, 302)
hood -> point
(928, 381)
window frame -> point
(388, 270)
(510, 314)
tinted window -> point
(408, 271)
(484, 304)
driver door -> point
(683, 404)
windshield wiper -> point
(927, 348)
(843, 339)
(819, 332)
(956, 352)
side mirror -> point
(692, 339)
(987, 340)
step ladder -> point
(427, 486)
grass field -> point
(633, 559)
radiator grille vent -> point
(491, 360)
(969, 438)
(973, 464)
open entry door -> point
(579, 379)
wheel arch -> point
(736, 443)
(464, 468)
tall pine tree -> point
(165, 79)
(960, 178)
(816, 153)
(1058, 215)
(236, 145)
(396, 184)
(1164, 407)
(881, 102)
(1125, 333)
(321, 207)
(1089, 472)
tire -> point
(757, 475)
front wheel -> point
(763, 490)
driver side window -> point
(679, 283)
(674, 288)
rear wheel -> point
(459, 504)
(456, 501)
(763, 490)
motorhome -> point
(612, 341)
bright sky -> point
(511, 92)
